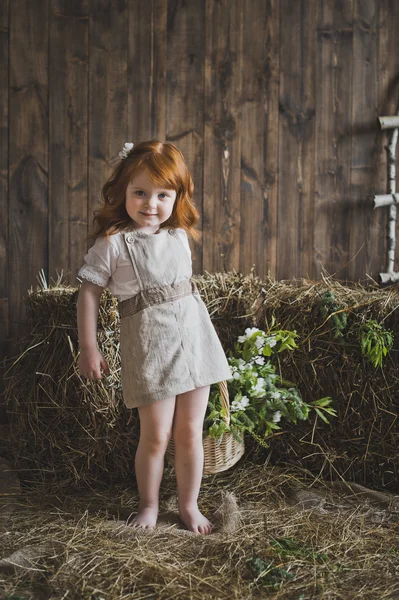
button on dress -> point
(168, 343)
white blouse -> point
(108, 264)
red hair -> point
(166, 167)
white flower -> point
(250, 330)
(244, 401)
(259, 360)
(242, 365)
(236, 375)
(258, 392)
(237, 405)
(271, 342)
(125, 150)
(275, 395)
(276, 416)
(259, 389)
(259, 342)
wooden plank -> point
(4, 257)
(28, 152)
(259, 143)
(68, 119)
(388, 100)
(4, 40)
(366, 245)
(222, 147)
(185, 94)
(147, 70)
(333, 140)
(296, 139)
(108, 93)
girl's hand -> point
(89, 363)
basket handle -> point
(224, 393)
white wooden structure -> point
(392, 198)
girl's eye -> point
(163, 195)
(140, 192)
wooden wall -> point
(273, 102)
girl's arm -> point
(88, 305)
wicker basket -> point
(217, 456)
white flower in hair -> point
(125, 150)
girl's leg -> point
(155, 431)
(189, 456)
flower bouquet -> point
(260, 400)
(256, 400)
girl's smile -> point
(147, 204)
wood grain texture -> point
(185, 95)
(4, 257)
(108, 87)
(333, 141)
(222, 149)
(296, 138)
(147, 70)
(28, 152)
(68, 122)
(259, 137)
(366, 233)
(274, 104)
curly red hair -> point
(167, 168)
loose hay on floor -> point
(73, 543)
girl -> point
(170, 351)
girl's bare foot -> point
(146, 518)
(195, 521)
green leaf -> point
(322, 401)
(322, 417)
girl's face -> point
(147, 204)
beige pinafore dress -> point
(168, 343)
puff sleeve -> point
(100, 262)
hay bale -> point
(65, 427)
(10, 489)
(360, 444)
(61, 425)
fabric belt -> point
(158, 295)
